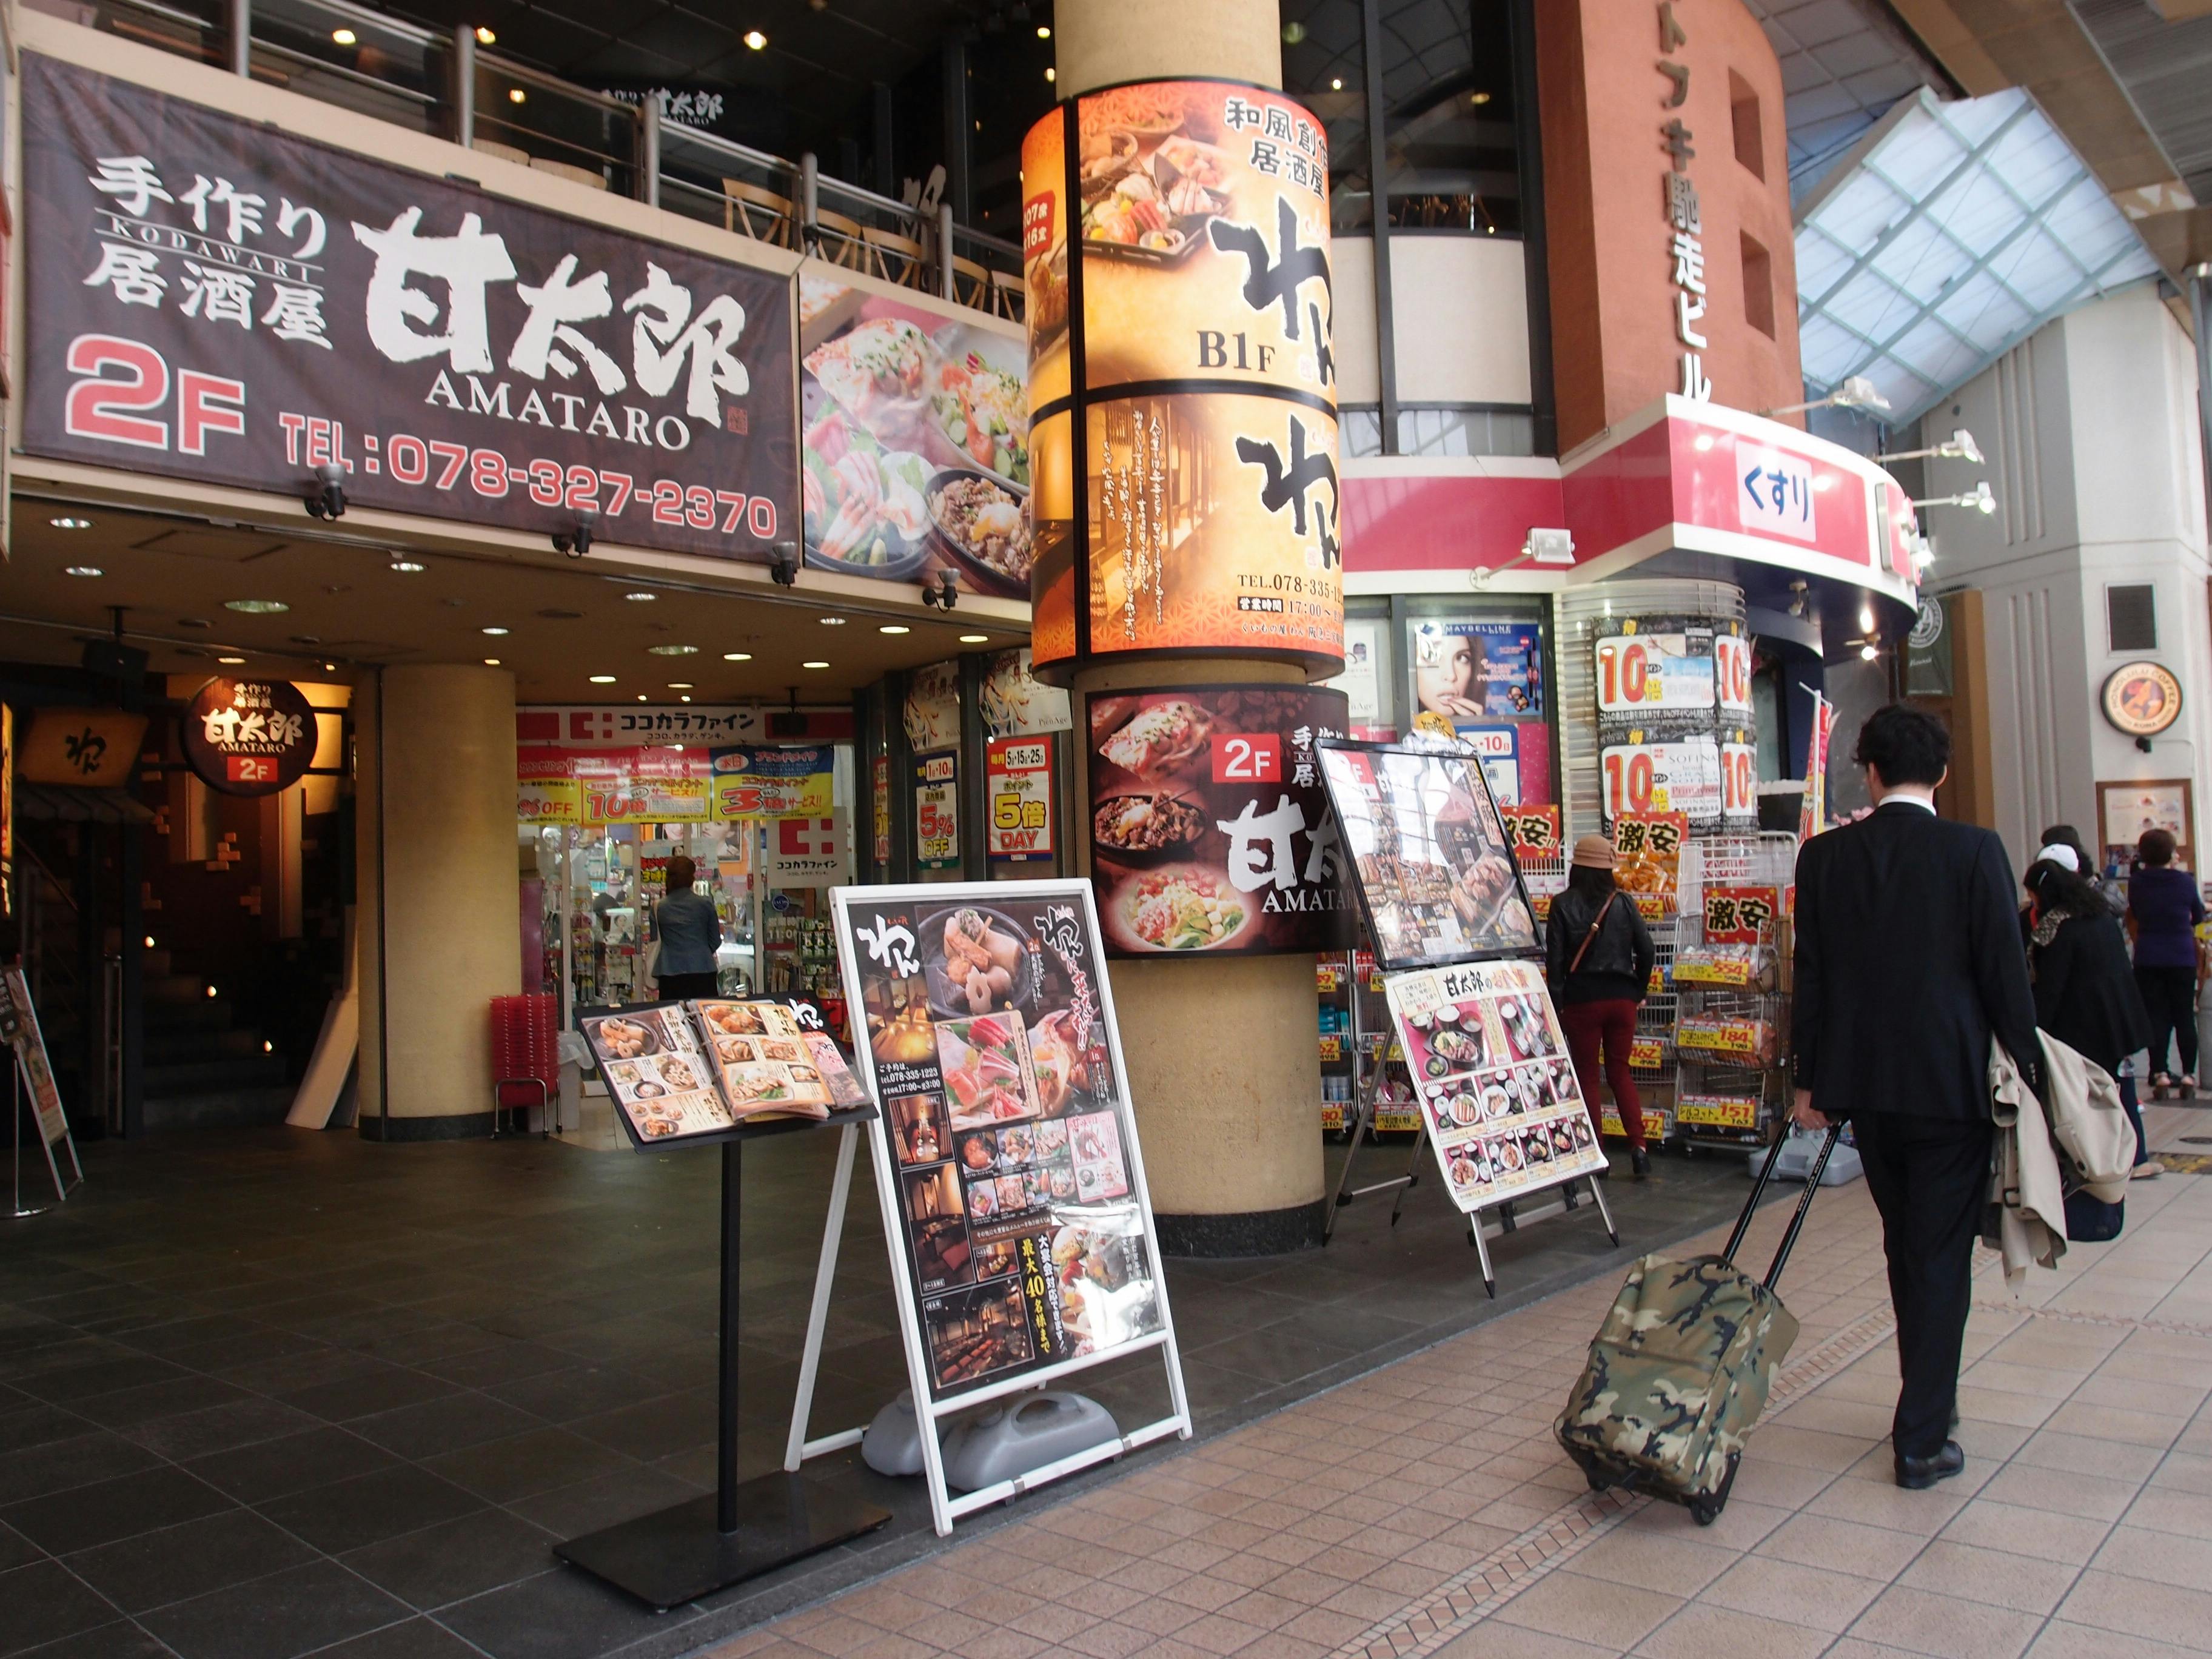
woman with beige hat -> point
(1598, 956)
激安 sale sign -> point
(1019, 825)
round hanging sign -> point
(249, 737)
(2142, 698)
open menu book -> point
(702, 1068)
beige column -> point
(1225, 1068)
(439, 902)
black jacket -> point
(1618, 963)
(1908, 961)
(2085, 991)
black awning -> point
(57, 802)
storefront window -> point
(1325, 68)
(1488, 672)
(1448, 89)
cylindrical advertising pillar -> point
(440, 901)
(1189, 584)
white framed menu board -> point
(1490, 1067)
(1012, 1186)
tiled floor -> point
(269, 1393)
(1425, 1510)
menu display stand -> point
(1085, 1270)
(33, 1074)
(1449, 916)
(744, 1527)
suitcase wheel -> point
(1598, 1481)
(1707, 1510)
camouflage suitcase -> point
(1680, 1370)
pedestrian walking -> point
(688, 931)
(2163, 910)
(1908, 961)
(1598, 956)
(2085, 988)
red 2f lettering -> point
(1257, 757)
(120, 381)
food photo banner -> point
(1209, 831)
(1006, 1157)
(1490, 1063)
(1430, 856)
(1181, 388)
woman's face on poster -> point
(1449, 678)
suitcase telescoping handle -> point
(1804, 1202)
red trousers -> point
(1612, 1023)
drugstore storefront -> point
(1640, 631)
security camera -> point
(783, 564)
(943, 593)
(327, 501)
(577, 541)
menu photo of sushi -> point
(985, 1067)
(661, 1082)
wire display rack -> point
(1732, 1043)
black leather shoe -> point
(1639, 1161)
(1918, 1474)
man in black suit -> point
(1908, 961)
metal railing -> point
(449, 85)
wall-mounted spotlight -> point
(1856, 392)
(327, 499)
(944, 592)
(1960, 447)
(1978, 498)
(783, 564)
(577, 541)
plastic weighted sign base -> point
(676, 1555)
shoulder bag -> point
(1590, 938)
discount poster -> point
(1007, 1154)
(1184, 435)
(1018, 798)
(1209, 831)
(1674, 721)
(1490, 1065)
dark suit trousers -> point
(1930, 1179)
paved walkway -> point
(1425, 1510)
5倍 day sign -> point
(1019, 827)
(210, 299)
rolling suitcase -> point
(1680, 1370)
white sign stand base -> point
(943, 1508)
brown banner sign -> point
(210, 299)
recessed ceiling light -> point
(686, 697)
(82, 570)
(230, 662)
(641, 696)
(494, 632)
(603, 680)
(1051, 73)
(485, 37)
(737, 656)
(1336, 83)
(679, 685)
(974, 639)
(491, 662)
(330, 668)
(641, 596)
(814, 664)
(344, 37)
(1045, 30)
(408, 566)
(894, 627)
(672, 650)
(755, 39)
(257, 607)
(516, 95)
(70, 521)
(831, 622)
(1477, 98)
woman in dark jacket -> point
(2085, 988)
(2164, 909)
(1598, 956)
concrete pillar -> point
(435, 797)
(1225, 1070)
